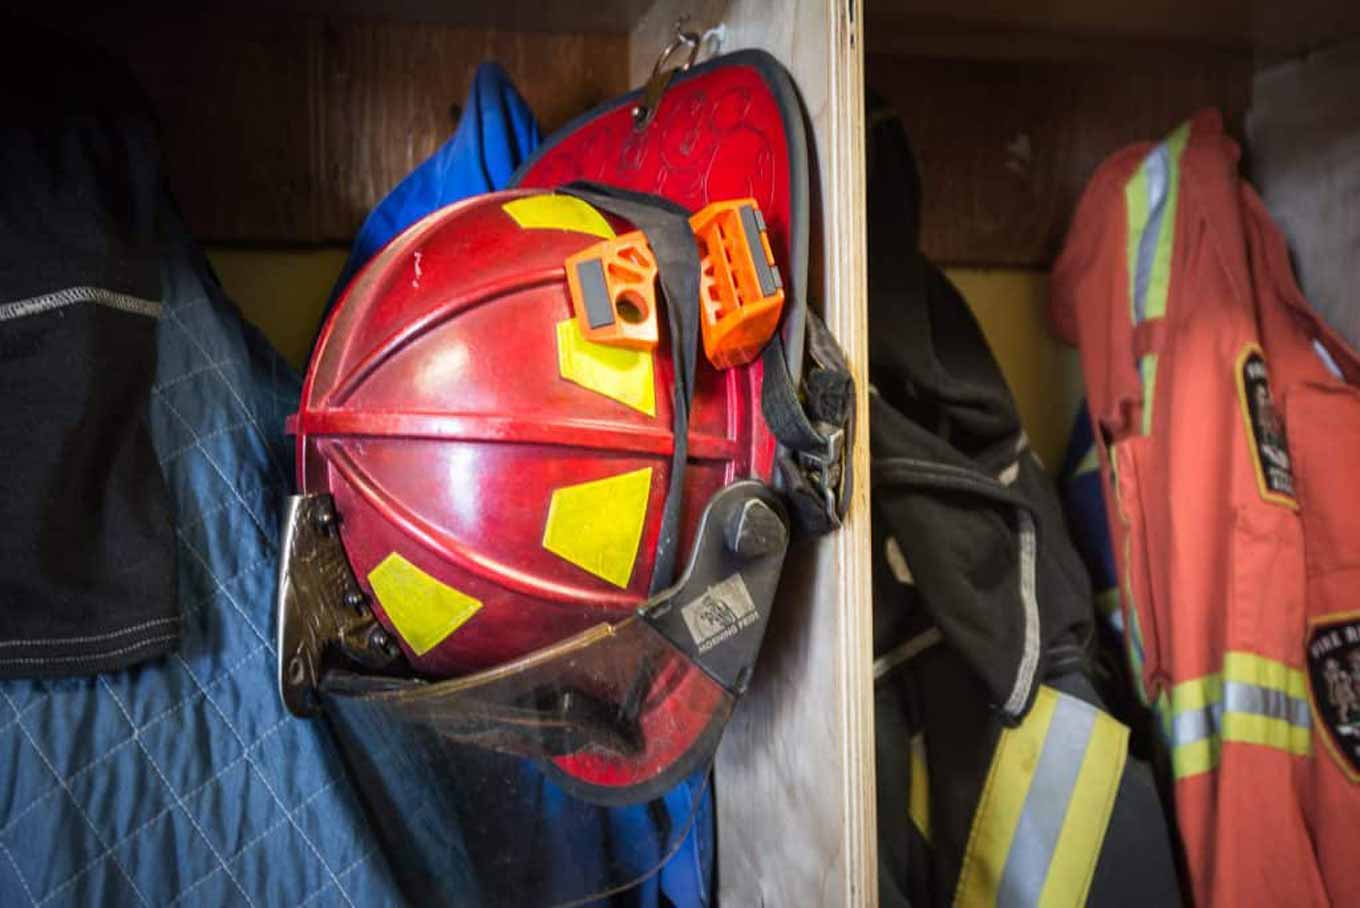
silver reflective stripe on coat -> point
(1158, 165)
(1254, 701)
(1039, 827)
(1238, 697)
(904, 653)
(1050, 791)
(1029, 656)
(60, 299)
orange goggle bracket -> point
(741, 294)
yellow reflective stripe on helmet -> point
(597, 525)
(558, 212)
(619, 374)
(1041, 820)
(918, 792)
(423, 610)
(1254, 700)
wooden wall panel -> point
(794, 783)
(1304, 132)
(562, 16)
(288, 130)
(1006, 146)
(1269, 27)
(385, 94)
(238, 113)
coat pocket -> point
(1134, 559)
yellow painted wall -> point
(1043, 373)
(280, 291)
(284, 291)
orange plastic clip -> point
(741, 294)
(613, 290)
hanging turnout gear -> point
(523, 544)
(1002, 778)
(1227, 420)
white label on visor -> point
(720, 613)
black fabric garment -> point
(943, 427)
(979, 595)
(87, 545)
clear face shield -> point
(562, 776)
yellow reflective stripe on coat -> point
(1090, 462)
(918, 792)
(1133, 640)
(1150, 201)
(1147, 370)
(1254, 700)
(1041, 820)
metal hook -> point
(646, 108)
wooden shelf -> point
(1265, 26)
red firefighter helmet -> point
(500, 480)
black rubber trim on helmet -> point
(699, 753)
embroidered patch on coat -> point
(1334, 685)
(1265, 429)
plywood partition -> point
(795, 772)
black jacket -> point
(87, 549)
(999, 771)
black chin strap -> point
(666, 226)
(814, 428)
